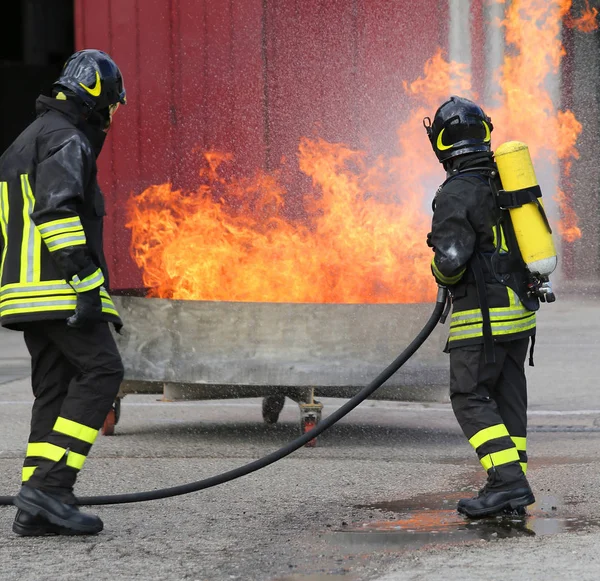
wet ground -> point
(431, 519)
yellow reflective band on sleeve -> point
(63, 240)
(90, 282)
(520, 443)
(500, 458)
(4, 215)
(524, 467)
(45, 450)
(110, 309)
(59, 226)
(107, 304)
(75, 430)
(75, 460)
(31, 243)
(487, 434)
(443, 278)
(27, 473)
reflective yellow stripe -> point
(55, 453)
(505, 313)
(499, 458)
(107, 304)
(487, 434)
(4, 215)
(28, 285)
(31, 244)
(63, 240)
(35, 301)
(62, 230)
(65, 290)
(27, 473)
(55, 226)
(443, 278)
(523, 467)
(15, 301)
(89, 282)
(75, 460)
(514, 307)
(65, 226)
(440, 144)
(36, 306)
(513, 298)
(503, 245)
(520, 443)
(45, 450)
(498, 328)
(75, 430)
(109, 308)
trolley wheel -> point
(108, 429)
(117, 408)
(112, 418)
(271, 408)
(307, 424)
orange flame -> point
(587, 22)
(242, 248)
(361, 239)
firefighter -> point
(53, 281)
(493, 317)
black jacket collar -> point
(72, 111)
(68, 108)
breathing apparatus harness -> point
(505, 264)
(439, 315)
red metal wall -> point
(249, 77)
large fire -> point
(362, 236)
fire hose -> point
(440, 312)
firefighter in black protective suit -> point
(493, 317)
(53, 286)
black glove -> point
(87, 310)
(429, 243)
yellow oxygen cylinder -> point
(530, 225)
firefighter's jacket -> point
(51, 216)
(464, 235)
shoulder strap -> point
(488, 339)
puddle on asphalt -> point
(432, 519)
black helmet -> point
(459, 126)
(94, 77)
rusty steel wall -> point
(248, 77)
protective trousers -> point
(490, 403)
(75, 375)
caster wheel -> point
(108, 429)
(117, 408)
(306, 425)
(271, 408)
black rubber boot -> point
(38, 503)
(27, 525)
(491, 502)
